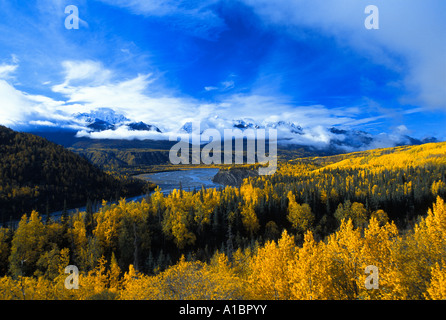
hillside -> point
(38, 174)
(328, 216)
(398, 157)
(402, 181)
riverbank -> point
(186, 179)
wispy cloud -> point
(413, 32)
(222, 87)
(88, 85)
(91, 85)
(6, 70)
(194, 18)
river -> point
(188, 180)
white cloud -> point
(226, 85)
(134, 97)
(413, 32)
(164, 7)
(15, 59)
(223, 86)
(91, 72)
(90, 86)
(45, 123)
(21, 108)
(18, 107)
(6, 70)
(123, 133)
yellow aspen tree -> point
(381, 216)
(180, 230)
(77, 236)
(379, 245)
(241, 261)
(436, 224)
(437, 287)
(184, 280)
(354, 211)
(248, 193)
(27, 245)
(99, 276)
(114, 275)
(308, 272)
(343, 249)
(8, 289)
(438, 187)
(418, 253)
(108, 222)
(300, 216)
(249, 219)
(227, 285)
(269, 277)
(136, 286)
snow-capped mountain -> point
(349, 138)
(100, 125)
(352, 140)
(141, 126)
(241, 124)
(186, 128)
(105, 123)
(282, 125)
(103, 114)
(245, 124)
(104, 119)
(335, 139)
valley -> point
(224, 226)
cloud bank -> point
(89, 86)
(412, 31)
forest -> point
(38, 174)
(306, 232)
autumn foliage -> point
(307, 232)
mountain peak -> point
(100, 125)
(245, 124)
(102, 114)
(141, 126)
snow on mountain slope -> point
(105, 123)
(104, 114)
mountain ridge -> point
(105, 123)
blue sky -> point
(167, 62)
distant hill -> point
(403, 181)
(387, 158)
(41, 175)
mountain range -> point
(106, 124)
(107, 119)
